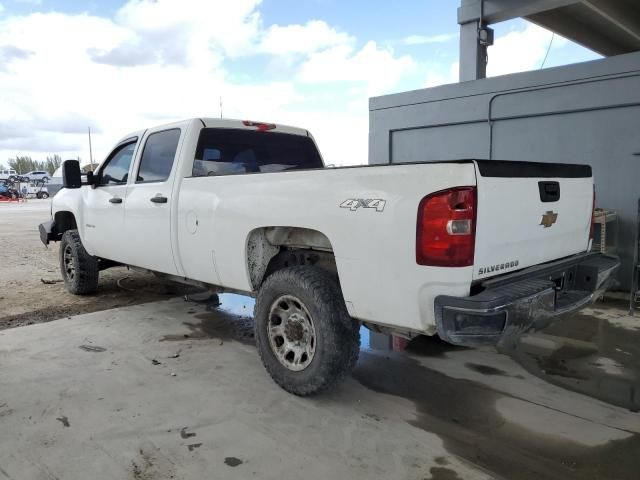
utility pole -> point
(90, 150)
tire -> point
(316, 324)
(44, 195)
(79, 269)
(45, 179)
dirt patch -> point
(31, 290)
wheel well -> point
(270, 249)
(65, 221)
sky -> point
(119, 66)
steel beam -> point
(500, 10)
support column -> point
(473, 55)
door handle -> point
(115, 200)
(159, 199)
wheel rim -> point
(69, 266)
(292, 335)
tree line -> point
(26, 164)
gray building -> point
(582, 113)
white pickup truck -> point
(474, 251)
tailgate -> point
(530, 213)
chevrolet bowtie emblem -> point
(548, 219)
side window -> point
(158, 155)
(116, 170)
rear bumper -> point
(526, 300)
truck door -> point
(104, 215)
(147, 222)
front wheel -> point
(306, 339)
(79, 269)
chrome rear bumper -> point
(527, 300)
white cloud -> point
(438, 75)
(376, 67)
(304, 39)
(158, 61)
(1, 8)
(422, 39)
(520, 50)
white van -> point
(8, 174)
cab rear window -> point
(226, 151)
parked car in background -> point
(55, 183)
(8, 174)
(36, 175)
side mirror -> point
(91, 179)
(71, 174)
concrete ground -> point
(176, 390)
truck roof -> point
(252, 125)
(210, 122)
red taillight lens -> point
(261, 126)
(446, 228)
(593, 215)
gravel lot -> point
(24, 297)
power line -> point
(553, 35)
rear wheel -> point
(306, 339)
(79, 269)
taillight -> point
(446, 228)
(261, 126)
(593, 215)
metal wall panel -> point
(585, 113)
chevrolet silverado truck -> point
(474, 251)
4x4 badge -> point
(548, 219)
(355, 203)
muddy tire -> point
(306, 339)
(79, 269)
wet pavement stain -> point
(425, 346)
(441, 473)
(577, 366)
(64, 420)
(229, 318)
(463, 414)
(233, 461)
(486, 369)
(193, 446)
(219, 325)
